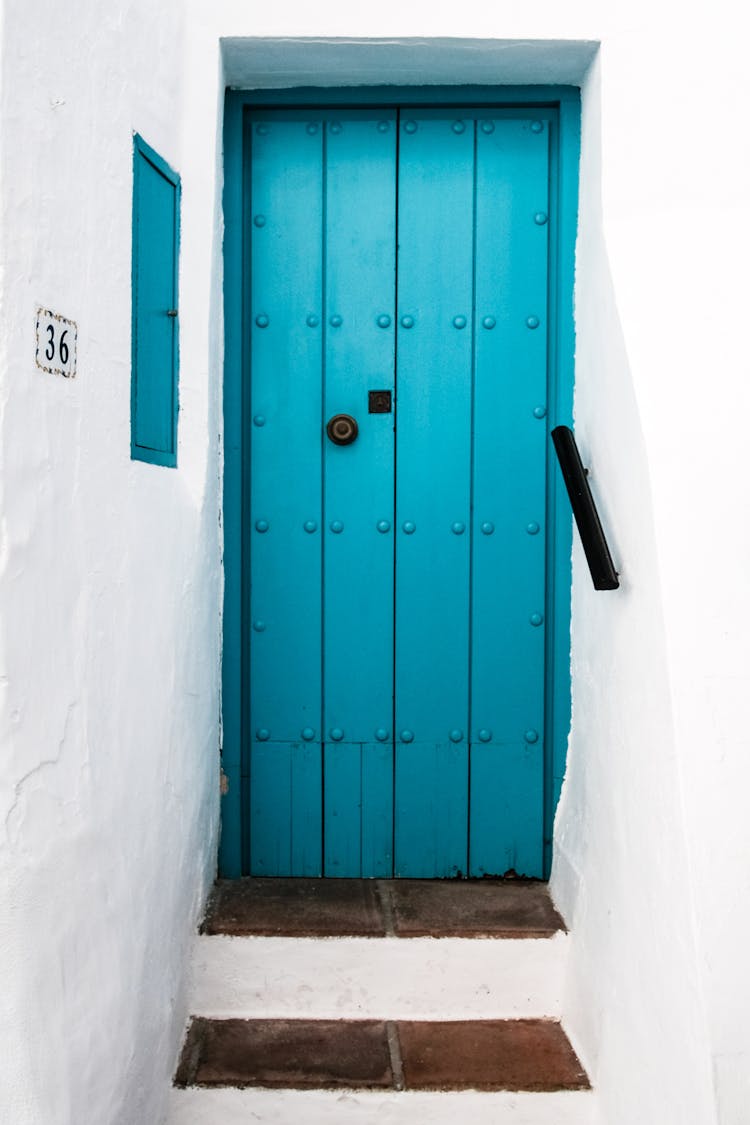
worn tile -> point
(290, 1054)
(295, 908)
(486, 908)
(191, 1053)
(489, 1055)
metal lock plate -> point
(380, 402)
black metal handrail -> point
(587, 519)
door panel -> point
(433, 436)
(360, 273)
(285, 492)
(510, 439)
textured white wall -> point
(110, 585)
(110, 575)
(652, 837)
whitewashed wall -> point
(110, 570)
(110, 586)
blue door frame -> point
(562, 108)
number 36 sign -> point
(56, 343)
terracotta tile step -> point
(494, 908)
(517, 1055)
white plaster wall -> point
(109, 569)
(109, 579)
(652, 838)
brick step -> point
(379, 1054)
(405, 908)
(524, 1071)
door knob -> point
(342, 429)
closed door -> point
(395, 618)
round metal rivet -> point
(410, 126)
(259, 420)
(383, 526)
(409, 528)
(407, 735)
(261, 526)
(540, 411)
(262, 320)
(487, 126)
(532, 528)
(308, 734)
(259, 626)
(487, 528)
(260, 220)
(536, 619)
(262, 734)
(383, 126)
(261, 130)
(456, 735)
(458, 126)
(336, 321)
(540, 218)
(407, 321)
(537, 126)
(310, 526)
(337, 734)
(532, 321)
(335, 127)
(485, 736)
(459, 321)
(337, 527)
(384, 321)
(312, 128)
(458, 528)
(381, 734)
(531, 736)
(488, 322)
(312, 321)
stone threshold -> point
(487, 908)
(532, 1055)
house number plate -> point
(56, 344)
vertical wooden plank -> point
(436, 202)
(342, 810)
(306, 810)
(271, 809)
(510, 447)
(285, 482)
(359, 810)
(360, 241)
(377, 810)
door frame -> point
(564, 104)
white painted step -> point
(378, 978)
(343, 1107)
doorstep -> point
(487, 908)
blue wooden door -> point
(395, 619)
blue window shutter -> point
(156, 230)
